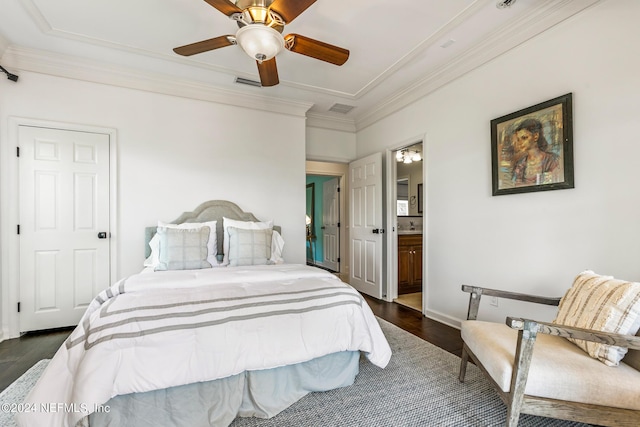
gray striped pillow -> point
(249, 247)
(601, 303)
(183, 248)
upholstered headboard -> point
(213, 210)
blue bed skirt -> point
(261, 394)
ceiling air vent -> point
(341, 108)
(248, 82)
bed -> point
(216, 326)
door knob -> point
(102, 235)
(378, 230)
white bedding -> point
(156, 330)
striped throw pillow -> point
(601, 303)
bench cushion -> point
(559, 369)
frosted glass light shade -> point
(259, 41)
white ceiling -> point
(398, 48)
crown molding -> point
(419, 50)
(97, 72)
(316, 120)
(545, 16)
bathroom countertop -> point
(408, 232)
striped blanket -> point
(157, 330)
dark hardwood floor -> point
(19, 354)
(444, 336)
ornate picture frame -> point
(532, 149)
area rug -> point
(17, 391)
(419, 387)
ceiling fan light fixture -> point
(258, 14)
(259, 41)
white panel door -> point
(365, 222)
(64, 204)
(331, 224)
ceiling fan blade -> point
(316, 49)
(290, 9)
(268, 72)
(203, 46)
(225, 6)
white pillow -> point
(245, 225)
(277, 245)
(212, 246)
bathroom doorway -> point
(409, 225)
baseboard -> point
(321, 265)
(443, 318)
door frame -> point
(392, 219)
(9, 196)
(338, 170)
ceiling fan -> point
(261, 24)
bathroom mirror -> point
(402, 192)
(311, 198)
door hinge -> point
(18, 151)
(338, 225)
(338, 189)
(338, 259)
(18, 307)
(18, 227)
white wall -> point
(534, 242)
(330, 145)
(173, 154)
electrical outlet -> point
(493, 301)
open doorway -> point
(323, 222)
(409, 213)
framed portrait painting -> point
(532, 149)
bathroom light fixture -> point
(408, 156)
